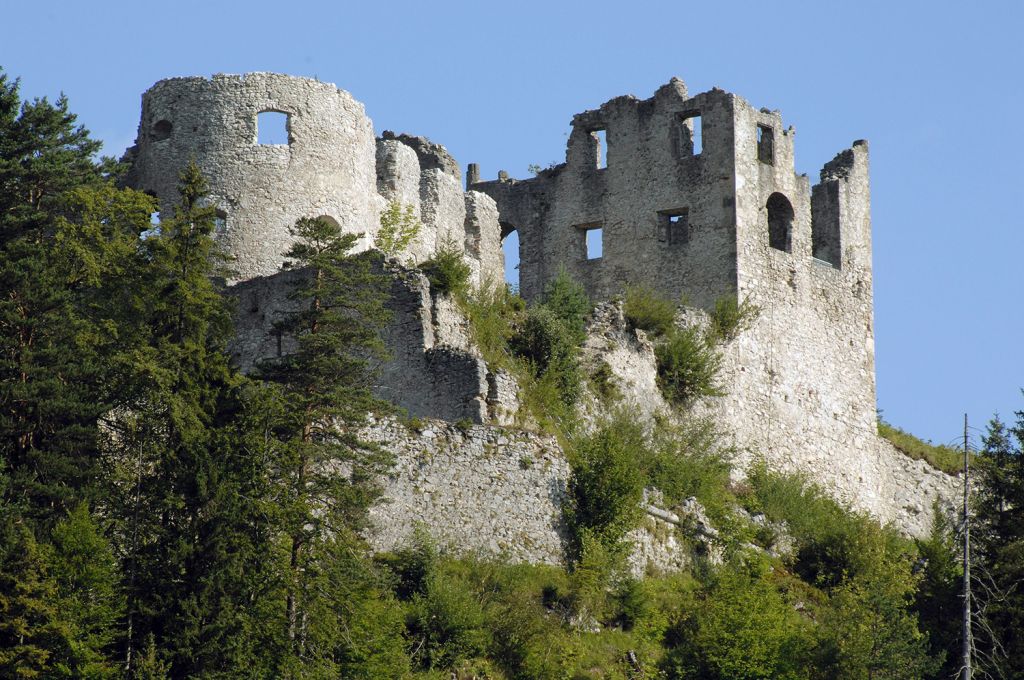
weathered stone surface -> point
(480, 489)
(736, 221)
(326, 169)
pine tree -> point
(325, 471)
(193, 491)
(35, 638)
(52, 331)
(87, 578)
(997, 537)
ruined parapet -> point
(324, 167)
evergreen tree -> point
(997, 537)
(56, 250)
(326, 473)
(35, 639)
(192, 491)
(87, 580)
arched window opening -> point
(510, 248)
(273, 128)
(220, 222)
(162, 130)
(780, 222)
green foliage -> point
(938, 598)
(688, 365)
(399, 227)
(66, 235)
(318, 395)
(940, 457)
(606, 485)
(447, 623)
(35, 638)
(447, 271)
(730, 317)
(568, 301)
(742, 627)
(549, 345)
(869, 630)
(648, 311)
(494, 311)
(603, 383)
(688, 460)
(998, 546)
(87, 576)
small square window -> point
(273, 128)
(674, 226)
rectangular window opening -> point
(765, 144)
(601, 140)
(592, 240)
(272, 128)
(674, 226)
(691, 133)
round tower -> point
(320, 163)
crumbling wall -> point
(413, 171)
(665, 212)
(331, 166)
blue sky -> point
(936, 87)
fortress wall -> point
(479, 489)
(325, 169)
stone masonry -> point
(695, 197)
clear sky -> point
(936, 87)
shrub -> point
(742, 628)
(569, 302)
(607, 483)
(646, 310)
(447, 623)
(730, 317)
(688, 365)
(494, 312)
(687, 460)
(604, 384)
(398, 228)
(447, 271)
(546, 342)
(833, 543)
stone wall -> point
(479, 489)
(326, 168)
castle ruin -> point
(694, 197)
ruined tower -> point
(323, 165)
